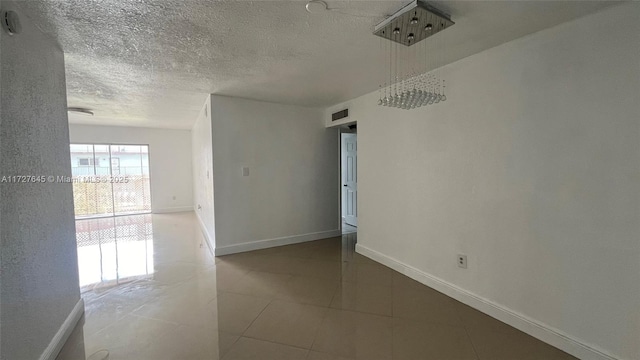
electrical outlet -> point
(462, 261)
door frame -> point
(343, 129)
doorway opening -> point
(349, 177)
(110, 179)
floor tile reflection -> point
(113, 250)
(311, 301)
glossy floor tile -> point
(347, 229)
(153, 291)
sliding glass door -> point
(110, 179)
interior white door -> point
(350, 178)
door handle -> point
(344, 185)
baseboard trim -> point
(207, 237)
(521, 322)
(60, 338)
(268, 243)
(173, 210)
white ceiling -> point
(152, 62)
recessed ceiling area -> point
(151, 63)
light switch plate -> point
(245, 171)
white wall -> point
(39, 292)
(532, 169)
(292, 192)
(203, 172)
(169, 160)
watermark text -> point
(61, 179)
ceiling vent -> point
(342, 114)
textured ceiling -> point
(152, 62)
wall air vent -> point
(343, 114)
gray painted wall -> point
(202, 152)
(38, 262)
(294, 173)
(1, 52)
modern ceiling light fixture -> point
(409, 84)
(80, 110)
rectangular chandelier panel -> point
(413, 23)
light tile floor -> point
(311, 301)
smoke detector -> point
(11, 22)
(316, 6)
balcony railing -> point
(108, 197)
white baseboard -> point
(60, 338)
(207, 237)
(267, 243)
(521, 322)
(173, 210)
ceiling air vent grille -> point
(340, 115)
